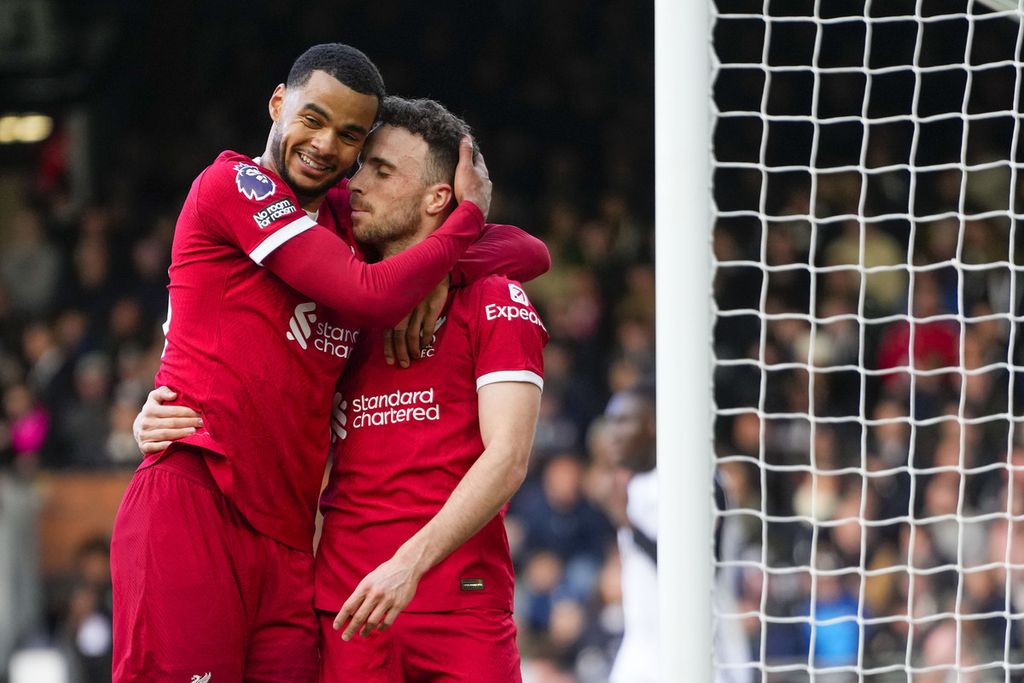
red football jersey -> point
(254, 356)
(410, 435)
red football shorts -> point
(198, 594)
(476, 645)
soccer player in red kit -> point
(211, 552)
(427, 456)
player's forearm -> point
(503, 250)
(322, 267)
(486, 487)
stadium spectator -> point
(90, 612)
(557, 517)
(29, 266)
(630, 419)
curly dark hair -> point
(439, 127)
(347, 64)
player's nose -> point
(355, 183)
(325, 144)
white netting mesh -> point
(867, 305)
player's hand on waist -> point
(157, 425)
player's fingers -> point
(480, 164)
(173, 412)
(348, 609)
(389, 347)
(150, 447)
(172, 423)
(466, 150)
(390, 617)
(415, 331)
(358, 619)
(402, 347)
(162, 393)
(164, 435)
(375, 618)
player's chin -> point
(362, 229)
(313, 187)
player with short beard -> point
(413, 511)
(211, 553)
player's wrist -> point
(475, 207)
(414, 555)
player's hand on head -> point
(407, 340)
(472, 181)
(378, 599)
(157, 425)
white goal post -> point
(844, 176)
(682, 272)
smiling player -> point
(211, 553)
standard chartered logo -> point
(298, 326)
(380, 410)
(305, 330)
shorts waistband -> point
(189, 462)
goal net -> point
(867, 309)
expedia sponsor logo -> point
(393, 408)
(306, 331)
(517, 294)
(496, 312)
(271, 213)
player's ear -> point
(439, 197)
(276, 102)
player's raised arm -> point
(321, 266)
(244, 205)
(503, 250)
(508, 417)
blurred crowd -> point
(868, 382)
(564, 120)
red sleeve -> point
(250, 207)
(321, 266)
(506, 334)
(503, 250)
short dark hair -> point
(347, 64)
(439, 127)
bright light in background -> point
(24, 128)
(38, 665)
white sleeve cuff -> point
(510, 376)
(279, 237)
